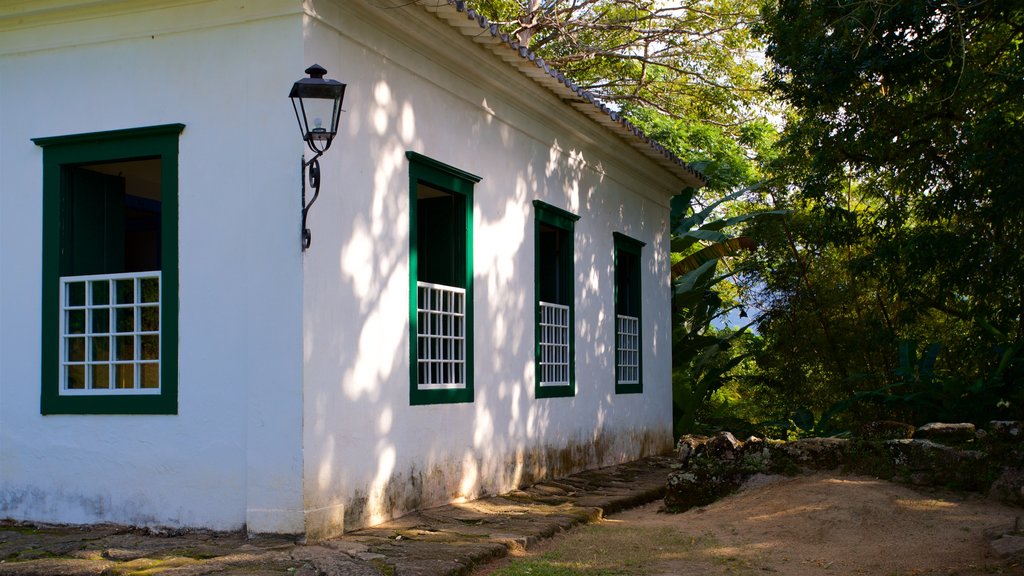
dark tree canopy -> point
(920, 104)
(902, 159)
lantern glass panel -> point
(320, 118)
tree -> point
(694, 60)
(918, 102)
(902, 162)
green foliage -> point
(901, 163)
(703, 355)
(921, 393)
(694, 60)
(917, 393)
(728, 155)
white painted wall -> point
(415, 84)
(232, 455)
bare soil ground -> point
(811, 525)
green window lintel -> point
(555, 216)
(623, 242)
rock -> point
(754, 455)
(927, 462)
(723, 446)
(1009, 547)
(685, 490)
(687, 446)
(324, 561)
(712, 468)
(886, 430)
(1006, 431)
(1009, 486)
(345, 546)
(816, 453)
(945, 432)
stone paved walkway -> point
(449, 540)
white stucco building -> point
(485, 301)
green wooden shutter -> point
(93, 220)
(441, 240)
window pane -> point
(125, 377)
(125, 291)
(101, 376)
(150, 319)
(76, 293)
(100, 321)
(150, 347)
(74, 376)
(125, 319)
(150, 289)
(126, 347)
(113, 353)
(440, 336)
(75, 322)
(150, 375)
(100, 292)
(75, 349)
(100, 348)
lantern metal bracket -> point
(314, 182)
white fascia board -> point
(36, 25)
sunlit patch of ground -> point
(810, 525)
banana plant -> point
(702, 355)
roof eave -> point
(475, 26)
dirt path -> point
(810, 525)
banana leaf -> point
(712, 253)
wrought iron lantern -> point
(317, 103)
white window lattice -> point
(110, 334)
(441, 336)
(554, 344)
(627, 362)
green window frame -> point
(440, 282)
(554, 302)
(628, 315)
(64, 249)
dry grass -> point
(607, 548)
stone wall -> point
(958, 456)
